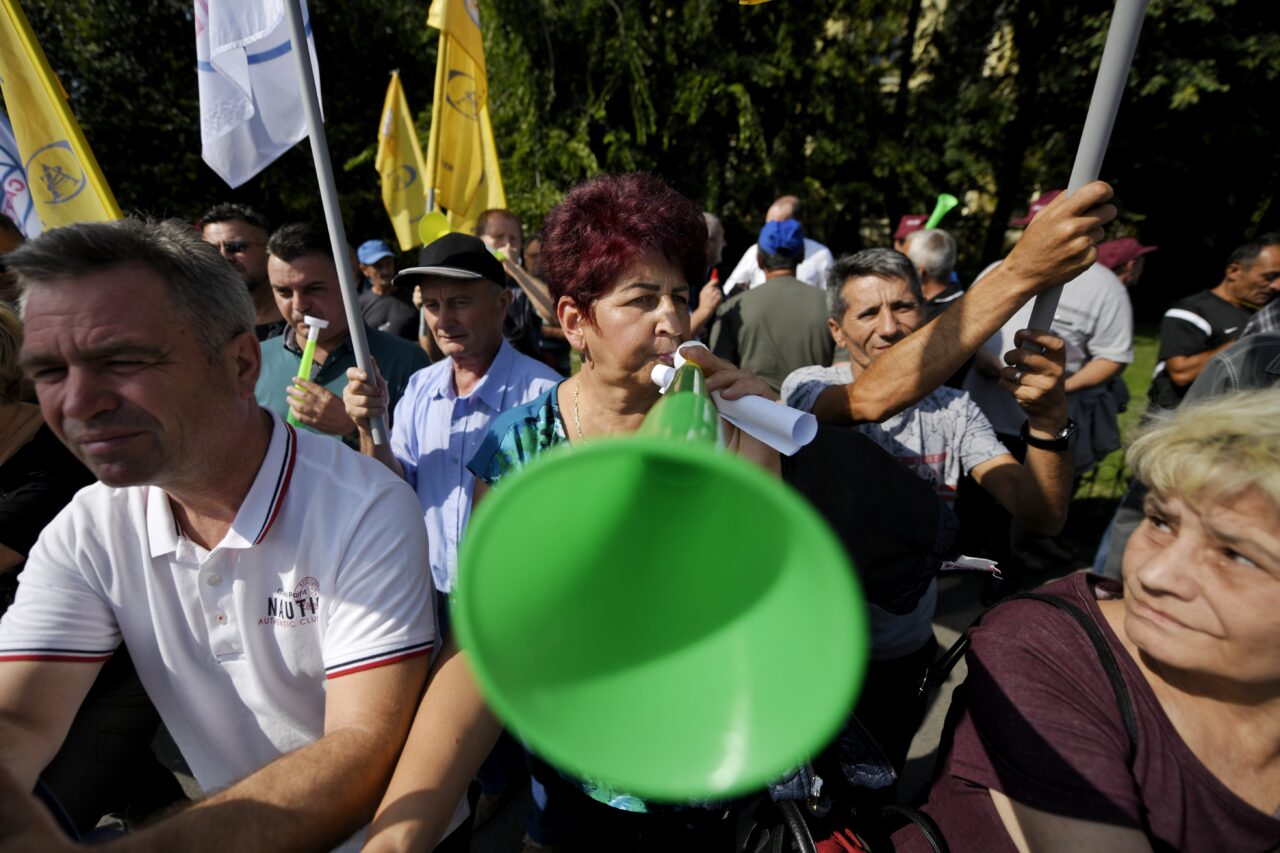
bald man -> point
(818, 260)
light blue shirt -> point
(435, 433)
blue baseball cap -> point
(372, 251)
(784, 237)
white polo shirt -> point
(322, 574)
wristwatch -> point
(1061, 441)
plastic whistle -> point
(314, 325)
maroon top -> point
(1042, 726)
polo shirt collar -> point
(490, 390)
(257, 512)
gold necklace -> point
(577, 418)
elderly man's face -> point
(881, 312)
(465, 317)
(244, 246)
(1259, 282)
(124, 383)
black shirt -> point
(1193, 325)
(393, 313)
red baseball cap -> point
(1036, 206)
(909, 223)
(1116, 253)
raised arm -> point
(1036, 493)
(1059, 244)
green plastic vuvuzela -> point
(653, 614)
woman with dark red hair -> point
(620, 254)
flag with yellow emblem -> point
(400, 164)
(462, 161)
(62, 175)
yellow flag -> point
(462, 161)
(65, 181)
(400, 164)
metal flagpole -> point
(1113, 71)
(329, 196)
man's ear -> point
(243, 358)
(836, 334)
(504, 298)
(1233, 271)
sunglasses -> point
(237, 247)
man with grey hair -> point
(876, 300)
(238, 558)
(933, 253)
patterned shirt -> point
(941, 438)
(519, 436)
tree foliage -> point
(865, 108)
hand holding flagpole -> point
(329, 196)
(1108, 89)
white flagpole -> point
(1108, 89)
(329, 196)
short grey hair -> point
(206, 290)
(933, 250)
(881, 263)
(713, 224)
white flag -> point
(17, 203)
(251, 108)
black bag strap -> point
(928, 828)
(941, 668)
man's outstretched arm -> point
(1059, 244)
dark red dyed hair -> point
(605, 225)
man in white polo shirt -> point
(271, 585)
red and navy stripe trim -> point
(71, 655)
(376, 660)
(282, 482)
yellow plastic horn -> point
(432, 226)
(658, 616)
(946, 201)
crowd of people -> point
(197, 536)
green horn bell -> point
(654, 614)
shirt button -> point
(213, 580)
(221, 617)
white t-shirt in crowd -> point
(1094, 319)
(817, 262)
(322, 574)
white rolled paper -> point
(781, 427)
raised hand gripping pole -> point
(1108, 89)
(329, 196)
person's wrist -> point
(1041, 435)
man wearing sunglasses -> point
(240, 233)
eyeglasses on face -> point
(236, 247)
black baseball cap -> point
(459, 256)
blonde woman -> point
(1041, 756)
